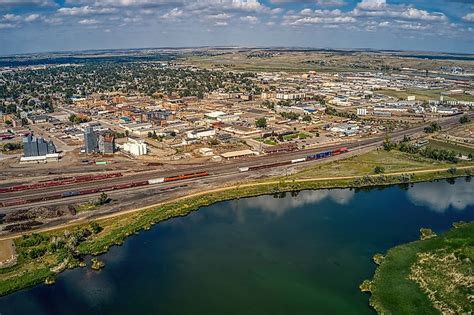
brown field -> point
(6, 250)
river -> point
(304, 253)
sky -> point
(61, 25)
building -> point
(361, 111)
(290, 95)
(98, 143)
(206, 151)
(91, 143)
(238, 154)
(201, 133)
(135, 147)
(106, 143)
(33, 146)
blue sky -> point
(50, 25)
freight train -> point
(60, 182)
(312, 157)
(17, 202)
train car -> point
(186, 176)
(60, 182)
(298, 160)
(156, 181)
(15, 202)
(340, 151)
(89, 191)
(317, 156)
(71, 194)
(259, 167)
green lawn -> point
(450, 146)
(393, 161)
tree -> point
(433, 128)
(307, 118)
(103, 199)
(452, 170)
(261, 123)
(95, 227)
(464, 119)
(387, 144)
(379, 170)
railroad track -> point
(224, 169)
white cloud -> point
(249, 19)
(440, 196)
(220, 16)
(86, 10)
(278, 206)
(88, 22)
(220, 23)
(19, 19)
(173, 14)
(26, 3)
(32, 17)
(372, 4)
(4, 26)
(331, 3)
(469, 17)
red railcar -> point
(259, 167)
(60, 182)
(340, 151)
(186, 176)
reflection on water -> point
(293, 253)
(440, 196)
(280, 203)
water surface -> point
(304, 253)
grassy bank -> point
(42, 256)
(431, 276)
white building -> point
(361, 111)
(135, 147)
(290, 96)
(201, 133)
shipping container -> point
(156, 181)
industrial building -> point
(33, 146)
(98, 143)
(135, 147)
(91, 143)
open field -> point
(393, 161)
(426, 95)
(451, 147)
(6, 251)
(43, 255)
(430, 276)
(271, 60)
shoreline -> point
(404, 279)
(118, 226)
(270, 182)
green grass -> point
(303, 135)
(450, 146)
(393, 161)
(290, 137)
(394, 293)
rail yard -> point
(165, 185)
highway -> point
(222, 169)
